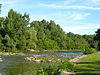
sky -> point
(77, 16)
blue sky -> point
(77, 16)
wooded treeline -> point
(17, 34)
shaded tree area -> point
(17, 34)
(92, 42)
(77, 41)
(97, 38)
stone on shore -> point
(1, 60)
(66, 73)
(30, 50)
(10, 53)
(77, 58)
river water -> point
(14, 65)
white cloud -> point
(76, 28)
(79, 16)
(83, 2)
(8, 2)
(69, 7)
(97, 2)
(72, 15)
(87, 14)
(84, 29)
(68, 1)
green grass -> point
(89, 65)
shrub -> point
(66, 66)
(53, 68)
(89, 51)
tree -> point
(57, 34)
(39, 27)
(90, 38)
(97, 38)
(1, 44)
(31, 38)
(1, 22)
(77, 41)
(17, 33)
(21, 45)
(9, 44)
(16, 24)
(47, 44)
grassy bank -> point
(89, 65)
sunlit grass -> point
(89, 65)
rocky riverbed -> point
(45, 58)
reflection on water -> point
(14, 65)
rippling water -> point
(14, 65)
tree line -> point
(18, 34)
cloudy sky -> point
(77, 16)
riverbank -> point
(34, 51)
(76, 59)
(89, 65)
(10, 53)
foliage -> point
(53, 68)
(97, 38)
(47, 44)
(1, 44)
(76, 41)
(89, 51)
(9, 44)
(17, 34)
(66, 66)
(90, 39)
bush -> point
(66, 66)
(89, 51)
(52, 68)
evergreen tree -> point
(97, 37)
(21, 45)
(31, 38)
(9, 44)
(1, 44)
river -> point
(15, 64)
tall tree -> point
(16, 24)
(39, 27)
(31, 38)
(97, 37)
(1, 44)
(9, 44)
